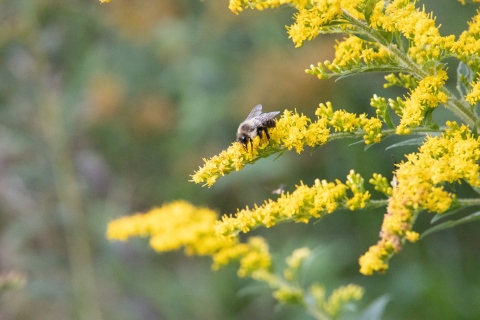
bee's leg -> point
(251, 144)
(260, 131)
(266, 133)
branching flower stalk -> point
(180, 225)
(391, 36)
(409, 66)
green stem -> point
(70, 205)
(453, 104)
(469, 202)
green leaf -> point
(280, 154)
(368, 146)
(475, 130)
(402, 42)
(388, 36)
(477, 189)
(447, 213)
(376, 309)
(368, 10)
(464, 78)
(387, 118)
(451, 224)
(410, 142)
(370, 69)
(364, 36)
(357, 142)
(428, 120)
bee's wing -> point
(255, 111)
(267, 116)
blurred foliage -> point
(105, 110)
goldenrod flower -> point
(237, 6)
(447, 159)
(179, 225)
(474, 96)
(171, 227)
(253, 256)
(353, 54)
(294, 262)
(342, 296)
(426, 96)
(381, 184)
(301, 205)
(468, 44)
(309, 21)
(292, 131)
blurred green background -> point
(106, 109)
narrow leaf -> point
(410, 142)
(376, 309)
(368, 146)
(280, 154)
(464, 78)
(370, 69)
(364, 36)
(451, 224)
(388, 119)
(477, 189)
(475, 130)
(447, 213)
(369, 6)
(357, 142)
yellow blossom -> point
(412, 236)
(426, 96)
(288, 294)
(309, 21)
(297, 257)
(253, 256)
(301, 205)
(381, 184)
(468, 44)
(447, 159)
(292, 131)
(474, 96)
(171, 227)
(342, 296)
(417, 26)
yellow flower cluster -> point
(381, 184)
(341, 296)
(294, 262)
(450, 158)
(425, 97)
(237, 6)
(468, 44)
(301, 205)
(309, 21)
(292, 131)
(352, 54)
(342, 121)
(474, 96)
(180, 224)
(253, 256)
(288, 291)
(171, 227)
(416, 25)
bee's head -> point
(243, 139)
